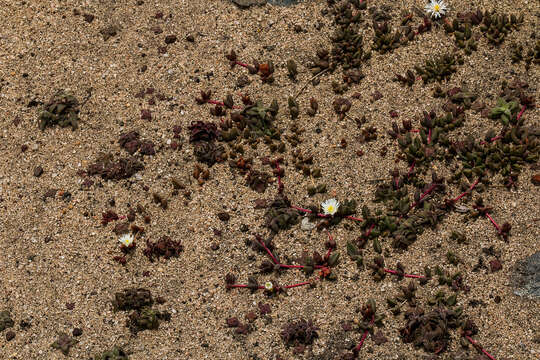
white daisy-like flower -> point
(330, 206)
(269, 286)
(436, 8)
(126, 239)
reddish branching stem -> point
(426, 193)
(521, 112)
(280, 184)
(268, 251)
(411, 168)
(359, 346)
(412, 276)
(220, 103)
(467, 192)
(296, 285)
(325, 216)
(494, 223)
(241, 64)
(429, 137)
(477, 346)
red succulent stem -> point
(291, 266)
(411, 168)
(296, 285)
(323, 215)
(364, 336)
(220, 103)
(330, 248)
(476, 345)
(414, 130)
(241, 64)
(426, 193)
(268, 251)
(359, 346)
(412, 276)
(280, 184)
(521, 112)
(468, 191)
(429, 136)
(494, 223)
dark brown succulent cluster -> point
(439, 68)
(431, 330)
(299, 332)
(62, 109)
(165, 247)
(131, 143)
(116, 353)
(280, 216)
(203, 136)
(140, 301)
(110, 169)
(496, 27)
(528, 55)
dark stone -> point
(526, 277)
(77, 332)
(248, 3)
(88, 18)
(223, 216)
(170, 39)
(10, 335)
(38, 170)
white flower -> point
(436, 8)
(126, 239)
(269, 286)
(330, 206)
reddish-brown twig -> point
(411, 168)
(296, 285)
(426, 193)
(412, 276)
(477, 346)
(466, 192)
(323, 215)
(494, 223)
(220, 103)
(429, 136)
(267, 250)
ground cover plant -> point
(364, 187)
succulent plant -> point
(115, 353)
(146, 319)
(439, 68)
(164, 247)
(299, 332)
(64, 343)
(132, 299)
(5, 320)
(62, 109)
(109, 169)
(504, 111)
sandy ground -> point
(55, 252)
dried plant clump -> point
(109, 169)
(531, 55)
(5, 320)
(62, 109)
(165, 247)
(64, 343)
(280, 216)
(132, 299)
(496, 27)
(299, 332)
(115, 353)
(439, 68)
(146, 319)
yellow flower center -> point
(330, 208)
(437, 7)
